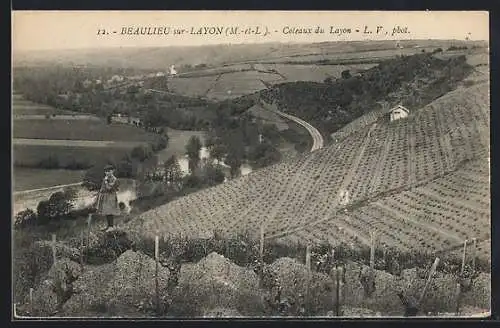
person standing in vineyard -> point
(107, 199)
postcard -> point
(250, 164)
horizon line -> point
(235, 44)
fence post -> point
(157, 259)
(431, 273)
(54, 255)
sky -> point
(57, 30)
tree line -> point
(413, 80)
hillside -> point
(429, 178)
(414, 81)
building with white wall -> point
(398, 112)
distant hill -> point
(162, 57)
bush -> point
(141, 153)
(75, 165)
(30, 263)
(58, 206)
(107, 247)
(50, 162)
(25, 218)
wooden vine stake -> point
(334, 277)
(54, 254)
(308, 258)
(261, 249)
(372, 252)
(372, 262)
(32, 308)
(89, 223)
(474, 249)
(81, 250)
(458, 291)
(157, 260)
(463, 258)
(340, 284)
(308, 267)
(431, 274)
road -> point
(318, 141)
(316, 136)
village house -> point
(125, 119)
(87, 83)
(398, 112)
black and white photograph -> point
(250, 164)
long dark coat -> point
(107, 200)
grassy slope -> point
(28, 178)
(295, 193)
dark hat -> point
(109, 168)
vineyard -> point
(421, 183)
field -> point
(315, 73)
(72, 140)
(177, 143)
(78, 130)
(230, 81)
(233, 85)
(28, 178)
(414, 197)
(31, 155)
(268, 117)
(193, 87)
(21, 106)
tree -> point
(263, 155)
(212, 174)
(173, 174)
(346, 74)
(233, 159)
(217, 151)
(193, 148)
